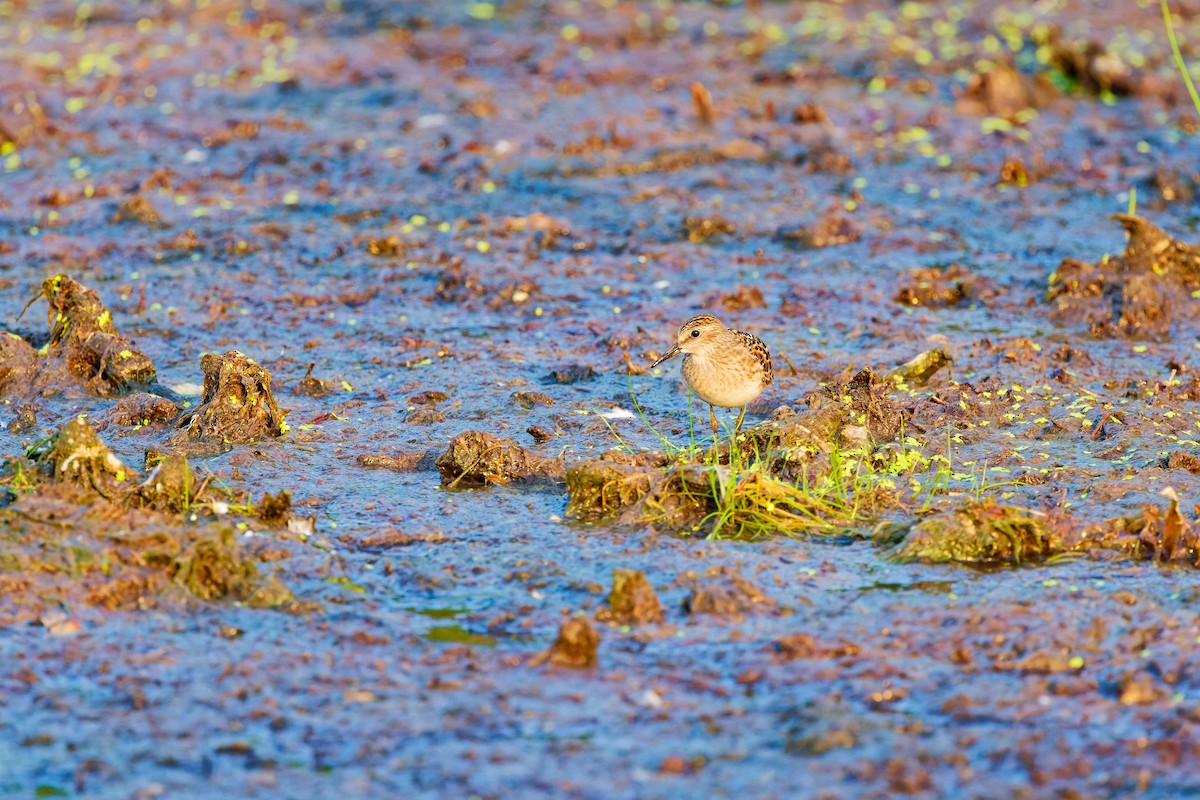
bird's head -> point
(699, 336)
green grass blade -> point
(1179, 62)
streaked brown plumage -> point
(723, 366)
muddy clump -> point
(723, 592)
(25, 421)
(1096, 71)
(793, 496)
(859, 403)
(539, 434)
(310, 385)
(680, 498)
(853, 416)
(139, 210)
(275, 508)
(1173, 186)
(1167, 535)
(919, 370)
(1004, 91)
(574, 648)
(978, 532)
(796, 646)
(137, 410)
(170, 486)
(942, 288)
(76, 455)
(632, 600)
(82, 531)
(18, 364)
(740, 298)
(399, 462)
(699, 230)
(84, 339)
(85, 348)
(425, 415)
(528, 399)
(830, 231)
(213, 567)
(236, 407)
(796, 435)
(1151, 250)
(599, 488)
(475, 459)
(1181, 459)
(1136, 295)
(571, 373)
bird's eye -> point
(695, 334)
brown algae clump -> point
(213, 567)
(136, 410)
(936, 288)
(575, 646)
(723, 502)
(978, 532)
(632, 600)
(1169, 535)
(1004, 91)
(475, 458)
(77, 526)
(137, 209)
(1137, 294)
(600, 487)
(85, 348)
(83, 337)
(77, 456)
(853, 416)
(236, 407)
(276, 507)
(170, 486)
(920, 369)
(18, 363)
(725, 593)
(699, 230)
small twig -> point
(203, 485)
(32, 300)
(472, 465)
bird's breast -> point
(729, 384)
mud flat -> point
(333, 465)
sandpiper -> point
(723, 366)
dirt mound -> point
(1137, 295)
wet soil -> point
(353, 294)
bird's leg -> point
(716, 431)
(737, 428)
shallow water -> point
(418, 121)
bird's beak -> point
(667, 356)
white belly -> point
(729, 396)
(726, 388)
